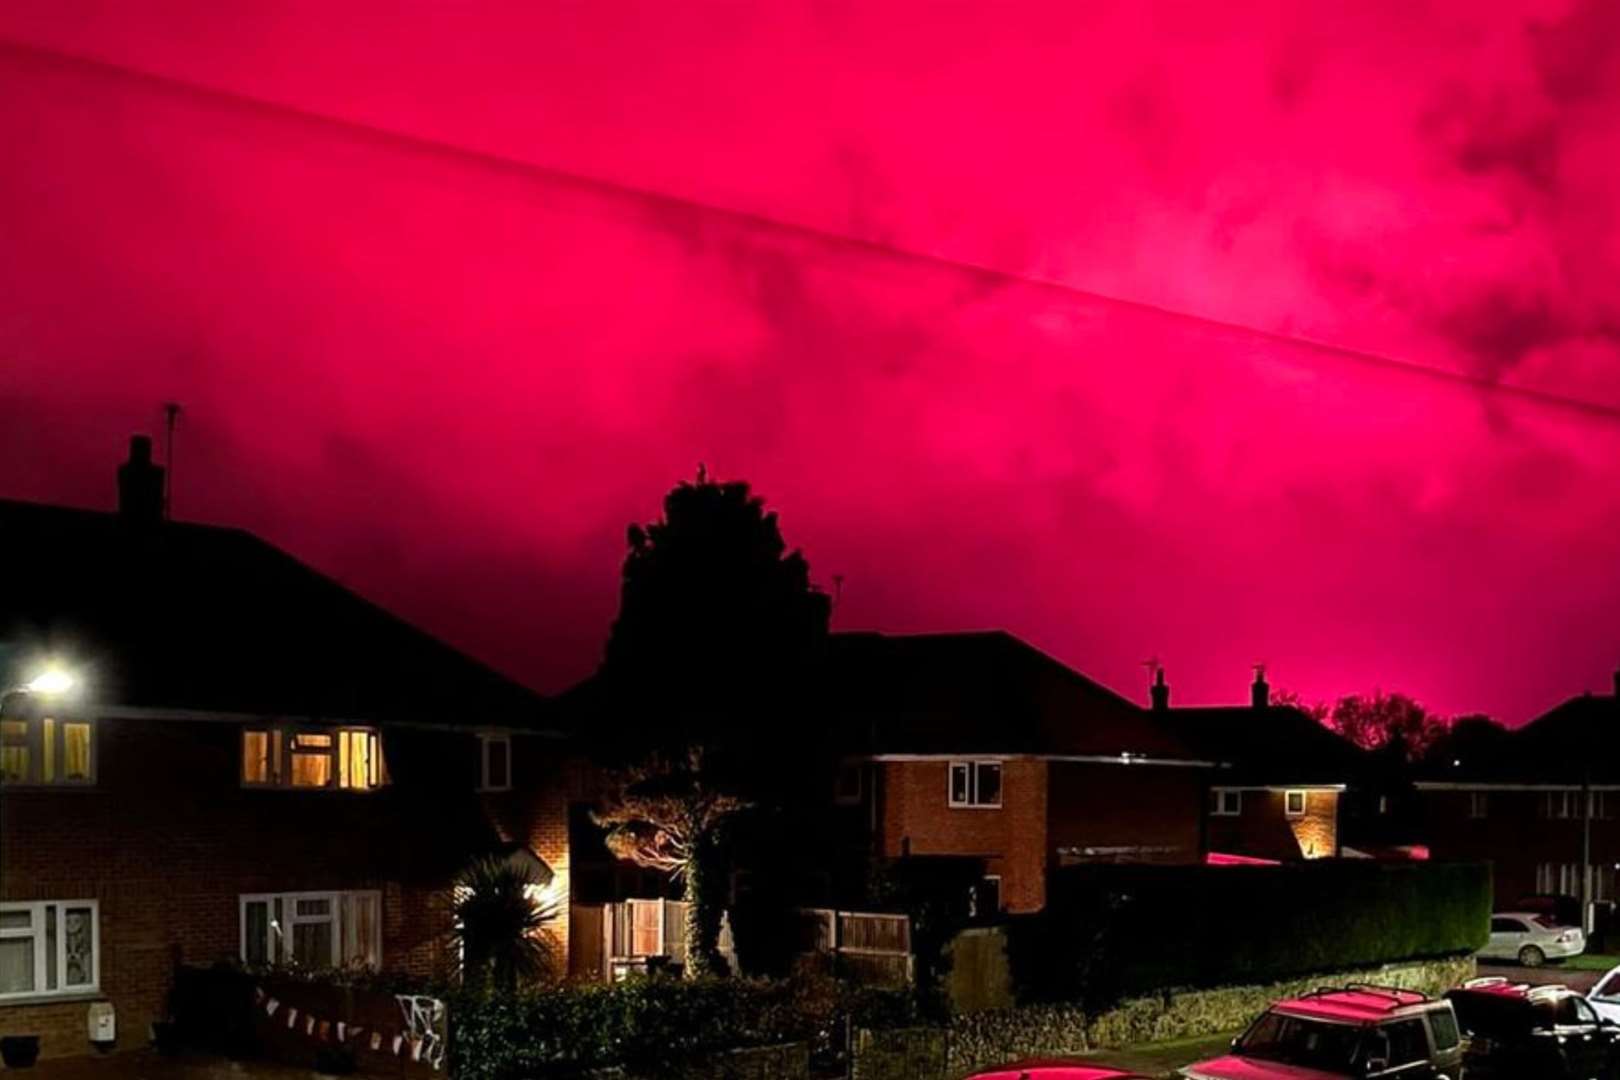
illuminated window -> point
(495, 753)
(302, 757)
(975, 783)
(312, 930)
(1294, 803)
(46, 750)
(1225, 802)
(49, 948)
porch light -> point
(53, 680)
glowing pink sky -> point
(451, 381)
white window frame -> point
(278, 945)
(1217, 802)
(1479, 805)
(279, 765)
(485, 741)
(1563, 804)
(36, 931)
(34, 742)
(973, 765)
(1304, 802)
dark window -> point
(1571, 1011)
(847, 785)
(959, 784)
(987, 897)
(1443, 1022)
(1506, 926)
(1294, 803)
(1407, 1042)
(975, 783)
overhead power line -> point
(598, 185)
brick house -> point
(980, 745)
(1276, 795)
(249, 762)
(1540, 803)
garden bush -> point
(1111, 931)
(649, 1023)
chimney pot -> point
(1260, 692)
(140, 484)
(1160, 691)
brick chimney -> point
(1260, 692)
(140, 484)
(1160, 691)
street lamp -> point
(51, 682)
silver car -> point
(1531, 939)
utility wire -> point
(980, 272)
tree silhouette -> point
(1393, 723)
(709, 676)
(719, 625)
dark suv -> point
(1359, 1031)
(1515, 1030)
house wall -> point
(1153, 808)
(1264, 830)
(1517, 837)
(916, 818)
(167, 840)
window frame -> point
(1479, 805)
(843, 797)
(1304, 802)
(971, 788)
(1001, 902)
(279, 751)
(36, 932)
(33, 741)
(340, 900)
(1218, 806)
(487, 739)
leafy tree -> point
(1472, 742)
(670, 816)
(1390, 722)
(718, 621)
(499, 924)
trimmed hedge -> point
(650, 1023)
(1110, 931)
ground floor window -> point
(312, 930)
(985, 901)
(49, 947)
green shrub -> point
(1112, 931)
(651, 1022)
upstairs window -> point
(1225, 802)
(1294, 803)
(45, 750)
(1479, 804)
(495, 752)
(848, 787)
(1562, 804)
(49, 948)
(975, 784)
(304, 757)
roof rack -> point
(1394, 993)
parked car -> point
(1054, 1069)
(1359, 1031)
(1604, 997)
(1565, 910)
(1515, 1030)
(1531, 939)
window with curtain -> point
(312, 930)
(49, 948)
(46, 750)
(304, 757)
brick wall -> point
(167, 841)
(1264, 830)
(1516, 836)
(1152, 808)
(916, 817)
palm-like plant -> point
(499, 924)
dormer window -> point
(346, 758)
(495, 755)
(46, 751)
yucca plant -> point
(500, 925)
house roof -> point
(1576, 741)
(196, 617)
(980, 693)
(1275, 745)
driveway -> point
(1580, 981)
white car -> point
(1531, 939)
(1605, 996)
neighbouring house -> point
(979, 745)
(1541, 803)
(1276, 795)
(210, 751)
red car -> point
(1054, 1069)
